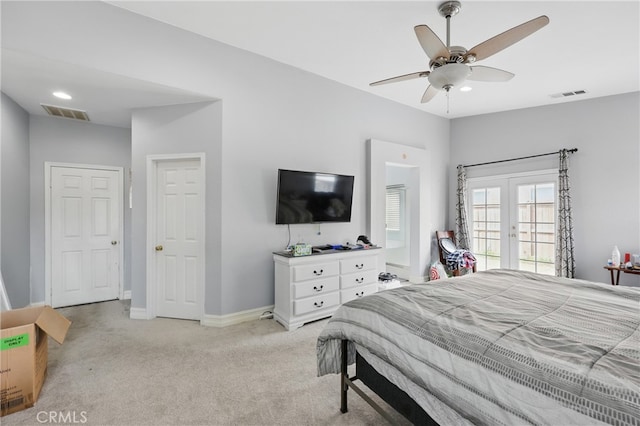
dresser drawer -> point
(316, 287)
(316, 270)
(359, 279)
(348, 266)
(356, 292)
(316, 303)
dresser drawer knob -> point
(360, 266)
(360, 294)
(318, 305)
(318, 273)
(360, 280)
(318, 288)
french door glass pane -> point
(536, 227)
(486, 227)
(545, 193)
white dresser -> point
(308, 288)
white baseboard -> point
(234, 318)
(138, 313)
(126, 296)
(418, 279)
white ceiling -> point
(588, 45)
(107, 98)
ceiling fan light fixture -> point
(466, 88)
(449, 75)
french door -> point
(513, 221)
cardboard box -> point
(23, 353)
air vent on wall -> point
(567, 94)
(57, 111)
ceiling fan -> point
(449, 65)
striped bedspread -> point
(502, 347)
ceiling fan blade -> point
(480, 73)
(507, 38)
(401, 78)
(431, 43)
(429, 94)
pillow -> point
(437, 271)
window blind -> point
(394, 195)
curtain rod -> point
(570, 151)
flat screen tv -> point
(313, 197)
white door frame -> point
(152, 168)
(48, 165)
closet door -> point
(179, 233)
(85, 232)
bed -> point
(495, 347)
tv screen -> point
(311, 197)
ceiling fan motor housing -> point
(457, 55)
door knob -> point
(113, 243)
(159, 248)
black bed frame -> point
(381, 386)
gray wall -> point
(192, 128)
(604, 173)
(14, 190)
(273, 116)
(67, 141)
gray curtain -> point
(565, 261)
(462, 227)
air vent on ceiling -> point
(567, 94)
(57, 111)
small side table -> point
(618, 269)
(631, 271)
(614, 268)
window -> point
(395, 208)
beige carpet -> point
(115, 371)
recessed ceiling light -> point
(466, 89)
(62, 95)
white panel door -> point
(85, 227)
(179, 234)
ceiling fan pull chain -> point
(447, 101)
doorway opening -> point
(399, 174)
